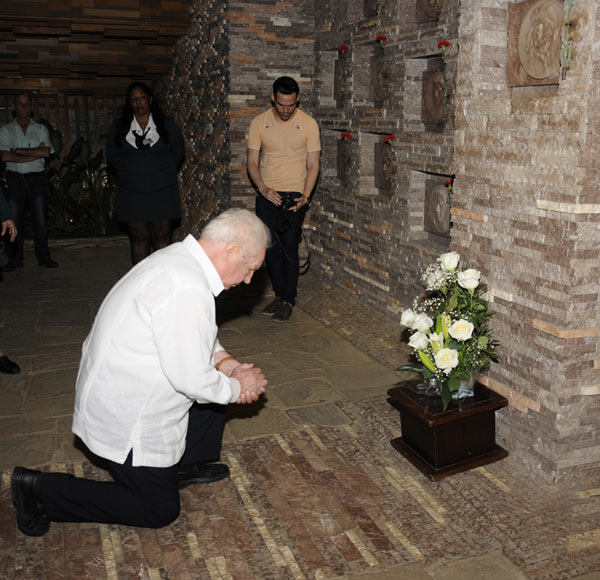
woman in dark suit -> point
(146, 150)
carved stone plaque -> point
(376, 86)
(534, 42)
(343, 160)
(437, 209)
(383, 166)
(432, 104)
(371, 7)
(338, 81)
(427, 10)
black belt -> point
(24, 174)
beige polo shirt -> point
(284, 147)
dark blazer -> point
(147, 185)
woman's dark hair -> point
(124, 122)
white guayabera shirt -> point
(149, 356)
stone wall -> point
(194, 94)
(523, 161)
(526, 214)
(368, 239)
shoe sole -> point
(194, 481)
(17, 498)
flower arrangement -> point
(381, 38)
(389, 139)
(345, 136)
(343, 49)
(451, 337)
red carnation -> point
(381, 38)
(443, 44)
(388, 139)
(342, 49)
(346, 136)
(448, 183)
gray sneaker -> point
(284, 312)
(271, 309)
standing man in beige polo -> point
(283, 163)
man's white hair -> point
(238, 225)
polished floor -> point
(316, 492)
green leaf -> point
(411, 368)
(446, 396)
(452, 302)
(453, 384)
(438, 324)
(482, 341)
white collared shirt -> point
(12, 137)
(151, 137)
(149, 356)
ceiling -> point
(81, 46)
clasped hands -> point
(272, 196)
(251, 379)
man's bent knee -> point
(163, 514)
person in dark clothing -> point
(145, 149)
(24, 144)
(7, 227)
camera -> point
(287, 200)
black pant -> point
(28, 188)
(282, 256)
(139, 496)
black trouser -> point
(282, 256)
(28, 188)
(139, 496)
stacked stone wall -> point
(526, 214)
(369, 240)
(195, 95)
(523, 160)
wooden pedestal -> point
(442, 443)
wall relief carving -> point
(534, 42)
(432, 103)
(383, 166)
(377, 81)
(427, 10)
(436, 209)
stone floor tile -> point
(326, 414)
(272, 421)
(493, 564)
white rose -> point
(469, 279)
(449, 261)
(461, 329)
(407, 318)
(437, 341)
(446, 359)
(418, 341)
(422, 322)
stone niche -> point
(329, 87)
(344, 160)
(369, 76)
(534, 42)
(429, 209)
(427, 11)
(434, 104)
(376, 165)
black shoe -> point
(284, 312)
(271, 309)
(202, 473)
(48, 263)
(7, 366)
(11, 266)
(31, 519)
